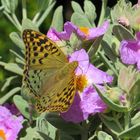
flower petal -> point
(97, 76)
(91, 102)
(69, 28)
(96, 32)
(128, 52)
(51, 34)
(83, 61)
(75, 113)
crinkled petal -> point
(96, 32)
(51, 34)
(129, 52)
(11, 125)
(69, 28)
(5, 113)
(75, 113)
(83, 61)
(91, 103)
(97, 76)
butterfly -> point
(48, 76)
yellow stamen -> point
(2, 135)
(84, 30)
(81, 82)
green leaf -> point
(110, 103)
(23, 106)
(9, 95)
(45, 127)
(12, 67)
(135, 94)
(17, 40)
(104, 136)
(13, 5)
(45, 14)
(6, 4)
(132, 132)
(8, 82)
(76, 7)
(28, 24)
(108, 51)
(17, 55)
(42, 4)
(59, 123)
(110, 122)
(122, 33)
(10, 5)
(80, 20)
(136, 119)
(89, 9)
(127, 78)
(57, 21)
(32, 134)
(94, 47)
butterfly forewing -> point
(48, 75)
(60, 96)
(40, 51)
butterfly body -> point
(48, 76)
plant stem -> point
(24, 11)
(103, 10)
(126, 120)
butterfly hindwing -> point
(59, 97)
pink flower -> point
(130, 51)
(87, 100)
(83, 33)
(10, 125)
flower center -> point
(2, 135)
(81, 82)
(84, 30)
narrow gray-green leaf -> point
(32, 134)
(136, 119)
(6, 4)
(76, 7)
(28, 24)
(80, 20)
(59, 123)
(17, 40)
(110, 122)
(23, 106)
(57, 21)
(94, 47)
(110, 103)
(9, 95)
(12, 67)
(89, 9)
(104, 136)
(13, 5)
(8, 82)
(133, 132)
(122, 33)
(45, 14)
